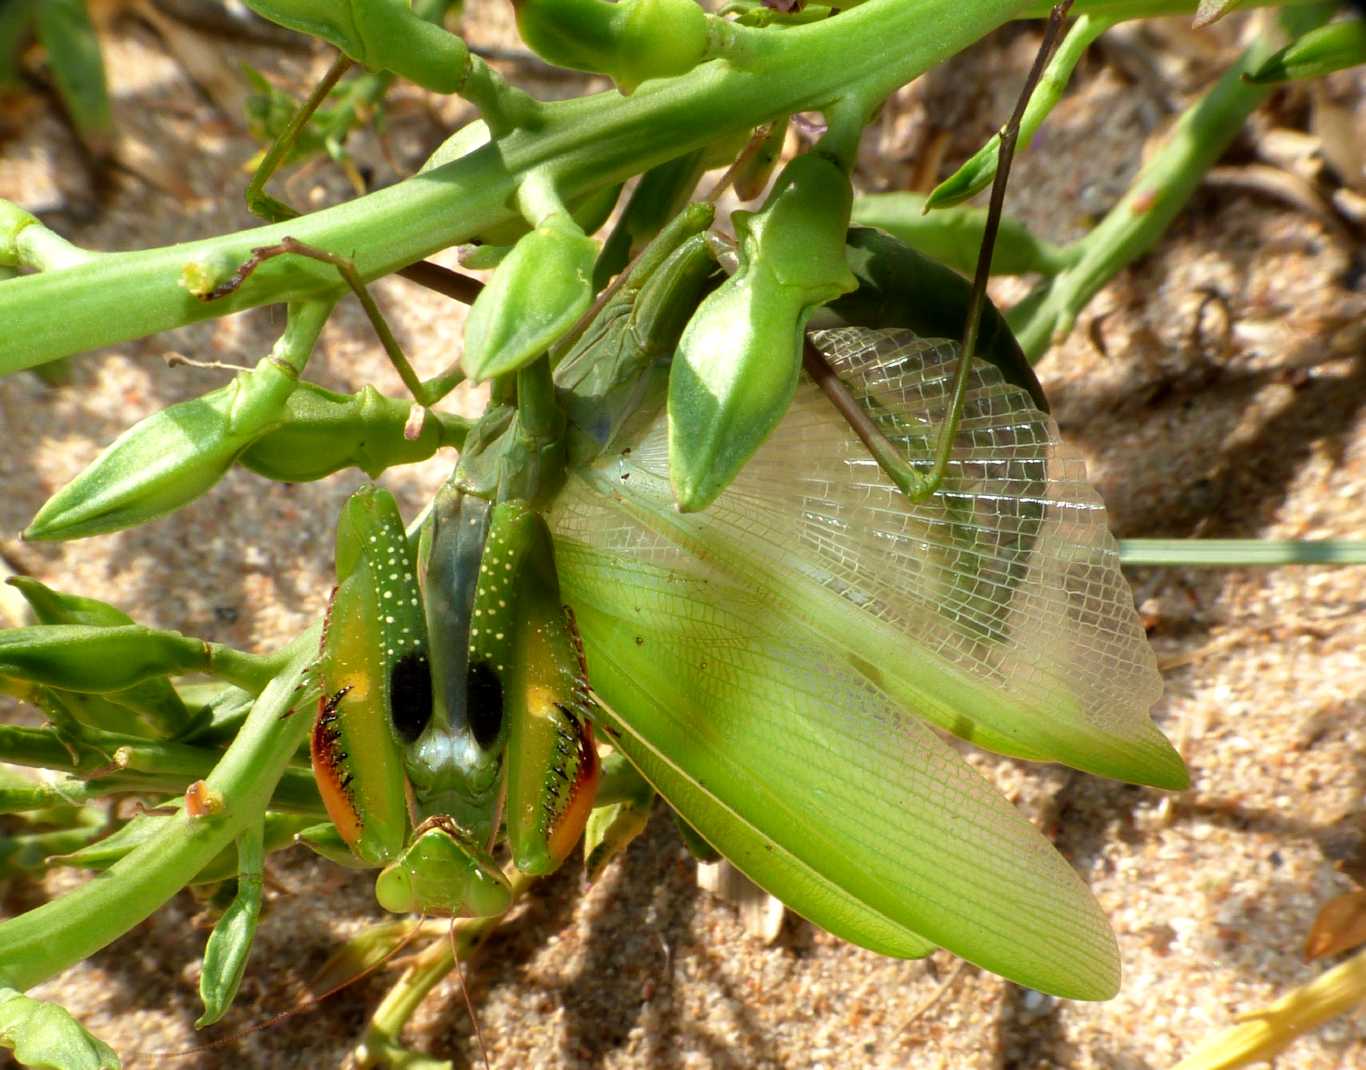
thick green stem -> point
(582, 145)
(48, 939)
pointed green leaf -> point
(225, 954)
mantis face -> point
(455, 718)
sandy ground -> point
(1252, 430)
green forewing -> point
(765, 661)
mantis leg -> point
(425, 393)
(452, 284)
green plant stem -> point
(261, 203)
(114, 765)
(1232, 553)
(52, 937)
(1124, 10)
(1157, 194)
(26, 243)
(578, 145)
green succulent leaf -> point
(45, 1036)
(225, 954)
(536, 294)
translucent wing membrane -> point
(995, 609)
(766, 660)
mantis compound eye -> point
(485, 696)
(410, 695)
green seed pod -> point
(168, 459)
(536, 295)
(155, 700)
(322, 432)
(80, 658)
(1321, 51)
(659, 39)
(739, 358)
(629, 41)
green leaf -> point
(1321, 51)
(73, 50)
(225, 954)
(46, 1037)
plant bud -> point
(629, 41)
(168, 459)
(740, 356)
(537, 294)
(80, 658)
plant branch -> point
(49, 938)
(580, 145)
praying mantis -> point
(758, 659)
(763, 660)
